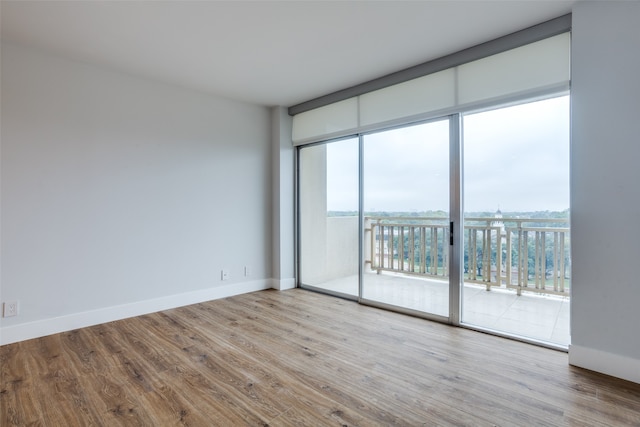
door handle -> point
(451, 233)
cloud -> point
(515, 158)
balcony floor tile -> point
(540, 317)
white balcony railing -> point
(525, 254)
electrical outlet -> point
(247, 271)
(10, 309)
(224, 275)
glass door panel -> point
(516, 220)
(406, 215)
(328, 206)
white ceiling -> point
(265, 52)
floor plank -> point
(297, 358)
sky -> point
(514, 159)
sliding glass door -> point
(406, 217)
(516, 220)
(377, 210)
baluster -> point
(520, 256)
(562, 266)
(423, 257)
(471, 254)
(374, 246)
(412, 249)
(555, 260)
(525, 259)
(475, 253)
(508, 260)
(434, 251)
(543, 260)
(401, 247)
(486, 256)
(381, 243)
(445, 251)
(499, 257)
(536, 271)
(390, 247)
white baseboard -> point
(612, 364)
(41, 328)
(284, 284)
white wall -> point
(605, 177)
(122, 195)
(283, 161)
(313, 215)
(342, 249)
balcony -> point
(516, 271)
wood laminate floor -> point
(298, 358)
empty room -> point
(349, 213)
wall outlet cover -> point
(10, 308)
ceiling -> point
(265, 52)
